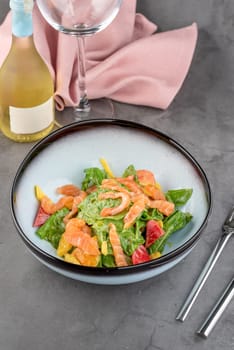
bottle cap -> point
(22, 5)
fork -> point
(217, 310)
(228, 231)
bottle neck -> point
(22, 24)
(22, 43)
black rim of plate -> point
(102, 271)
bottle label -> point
(33, 119)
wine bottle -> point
(26, 85)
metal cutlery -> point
(228, 231)
(217, 310)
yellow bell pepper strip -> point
(70, 258)
(38, 193)
(106, 167)
(155, 255)
(63, 247)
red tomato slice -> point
(140, 255)
(41, 217)
(153, 232)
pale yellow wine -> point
(26, 85)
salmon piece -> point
(69, 190)
(135, 210)
(146, 177)
(91, 189)
(83, 241)
(112, 184)
(84, 258)
(130, 183)
(76, 224)
(50, 207)
(165, 207)
(109, 182)
(77, 200)
(78, 233)
(118, 209)
(153, 192)
(119, 256)
(150, 187)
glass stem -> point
(84, 105)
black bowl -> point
(61, 158)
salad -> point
(111, 221)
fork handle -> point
(183, 313)
(217, 310)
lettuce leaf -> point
(108, 261)
(180, 196)
(90, 208)
(53, 228)
(129, 171)
(151, 214)
(93, 176)
(171, 224)
(130, 240)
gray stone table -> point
(40, 309)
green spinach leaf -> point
(129, 171)
(179, 197)
(53, 228)
(93, 176)
(171, 224)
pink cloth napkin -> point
(127, 62)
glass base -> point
(83, 107)
(101, 108)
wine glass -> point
(80, 18)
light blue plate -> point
(61, 157)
